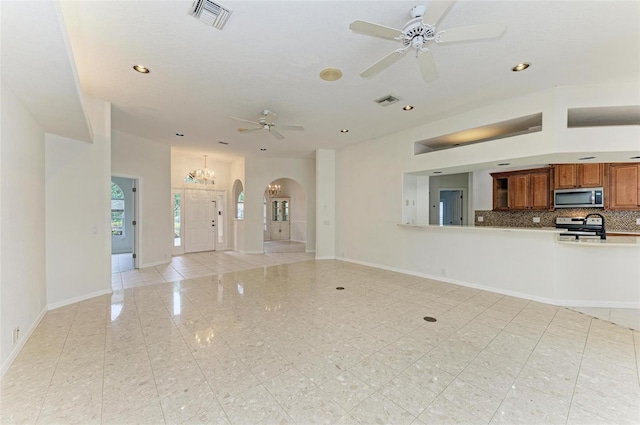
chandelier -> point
(202, 176)
(274, 190)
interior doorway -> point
(451, 208)
(284, 218)
(124, 219)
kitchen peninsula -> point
(531, 263)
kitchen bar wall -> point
(615, 221)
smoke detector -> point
(210, 13)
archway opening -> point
(284, 216)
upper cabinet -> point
(569, 176)
(623, 191)
(522, 190)
(532, 189)
(280, 209)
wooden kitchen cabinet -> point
(569, 176)
(623, 191)
(525, 190)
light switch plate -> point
(536, 219)
(638, 221)
(480, 219)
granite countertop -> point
(614, 238)
(627, 240)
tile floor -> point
(195, 265)
(278, 344)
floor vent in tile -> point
(340, 288)
(430, 319)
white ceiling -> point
(270, 54)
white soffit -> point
(38, 66)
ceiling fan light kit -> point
(267, 123)
(418, 32)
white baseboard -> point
(21, 342)
(251, 252)
(598, 304)
(69, 301)
(331, 257)
(561, 303)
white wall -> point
(259, 173)
(482, 190)
(78, 218)
(150, 162)
(325, 203)
(23, 294)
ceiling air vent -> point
(210, 13)
(387, 100)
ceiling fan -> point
(418, 32)
(267, 123)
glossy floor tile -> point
(256, 342)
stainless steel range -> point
(593, 226)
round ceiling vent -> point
(330, 74)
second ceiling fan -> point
(418, 32)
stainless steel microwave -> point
(589, 197)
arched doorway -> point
(284, 216)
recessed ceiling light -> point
(223, 143)
(141, 69)
(502, 164)
(521, 67)
(263, 149)
(180, 134)
(344, 130)
(408, 108)
(584, 158)
(437, 172)
(330, 74)
(635, 157)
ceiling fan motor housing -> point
(416, 33)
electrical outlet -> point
(638, 221)
(480, 219)
(536, 219)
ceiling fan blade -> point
(437, 9)
(374, 29)
(276, 134)
(383, 64)
(291, 127)
(427, 66)
(243, 120)
(472, 32)
(248, 130)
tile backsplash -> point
(615, 221)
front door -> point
(200, 220)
